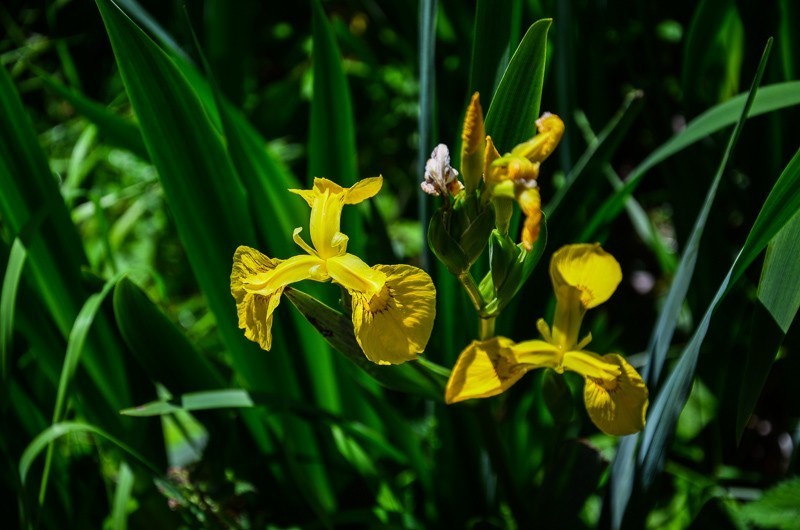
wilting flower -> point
(393, 306)
(584, 276)
(440, 177)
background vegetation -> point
(141, 142)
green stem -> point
(486, 327)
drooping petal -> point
(589, 364)
(257, 283)
(550, 130)
(617, 407)
(394, 325)
(537, 354)
(353, 274)
(484, 369)
(530, 203)
(363, 190)
(588, 268)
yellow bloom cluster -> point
(583, 276)
(393, 306)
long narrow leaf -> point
(512, 115)
(8, 298)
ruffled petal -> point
(394, 325)
(257, 283)
(588, 268)
(484, 369)
(617, 407)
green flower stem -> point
(486, 327)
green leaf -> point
(778, 508)
(160, 347)
(338, 332)
(512, 115)
(491, 47)
(77, 340)
(779, 287)
(115, 129)
(714, 51)
(52, 433)
(8, 298)
(122, 497)
(769, 98)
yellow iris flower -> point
(584, 276)
(393, 306)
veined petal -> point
(363, 190)
(588, 268)
(257, 283)
(484, 369)
(353, 274)
(617, 407)
(394, 325)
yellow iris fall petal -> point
(393, 325)
(615, 395)
(393, 306)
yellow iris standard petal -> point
(353, 274)
(617, 407)
(363, 190)
(484, 369)
(588, 268)
(257, 283)
(394, 325)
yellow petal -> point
(490, 154)
(257, 283)
(588, 268)
(321, 185)
(617, 407)
(484, 369)
(353, 274)
(530, 203)
(363, 190)
(307, 195)
(537, 149)
(326, 215)
(589, 364)
(394, 325)
(537, 354)
(514, 168)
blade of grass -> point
(769, 98)
(512, 115)
(8, 298)
(77, 340)
(122, 497)
(427, 93)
